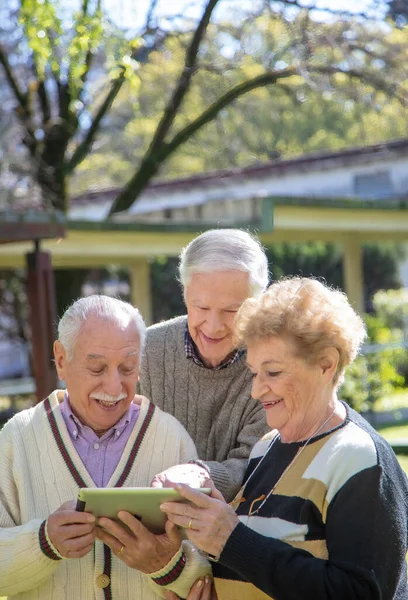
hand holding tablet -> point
(143, 503)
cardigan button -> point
(102, 581)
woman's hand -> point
(203, 589)
(71, 532)
(208, 521)
(138, 548)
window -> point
(373, 185)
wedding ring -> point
(189, 524)
(120, 551)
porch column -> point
(141, 297)
(41, 299)
(353, 273)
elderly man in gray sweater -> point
(191, 368)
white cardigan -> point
(40, 470)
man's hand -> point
(138, 548)
(71, 532)
(193, 475)
(203, 589)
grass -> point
(394, 432)
(396, 400)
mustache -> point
(107, 397)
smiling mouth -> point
(212, 340)
(272, 403)
(106, 403)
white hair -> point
(102, 307)
(225, 250)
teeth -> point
(106, 403)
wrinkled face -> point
(101, 378)
(291, 391)
(212, 301)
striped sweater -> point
(40, 470)
(335, 526)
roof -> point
(279, 167)
(30, 225)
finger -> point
(201, 590)
(66, 517)
(74, 531)
(79, 553)
(77, 544)
(198, 498)
(173, 533)
(156, 483)
(113, 543)
(170, 595)
(114, 529)
(215, 493)
(135, 526)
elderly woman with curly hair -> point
(323, 509)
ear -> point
(328, 362)
(60, 359)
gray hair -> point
(103, 307)
(224, 250)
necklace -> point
(263, 498)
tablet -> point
(143, 503)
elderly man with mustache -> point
(97, 433)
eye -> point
(128, 371)
(273, 373)
(96, 371)
(232, 311)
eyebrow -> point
(266, 362)
(97, 356)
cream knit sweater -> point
(40, 470)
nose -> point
(112, 383)
(214, 322)
(259, 387)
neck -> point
(322, 422)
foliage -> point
(64, 71)
(302, 114)
(374, 374)
(392, 307)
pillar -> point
(141, 297)
(41, 299)
(353, 273)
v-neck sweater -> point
(40, 470)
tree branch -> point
(21, 97)
(184, 81)
(336, 12)
(84, 147)
(90, 54)
(152, 161)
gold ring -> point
(120, 551)
(189, 524)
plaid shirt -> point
(191, 352)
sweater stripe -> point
(107, 570)
(44, 545)
(61, 447)
(174, 572)
(136, 445)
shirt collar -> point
(192, 354)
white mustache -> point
(107, 397)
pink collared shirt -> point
(100, 455)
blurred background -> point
(127, 128)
